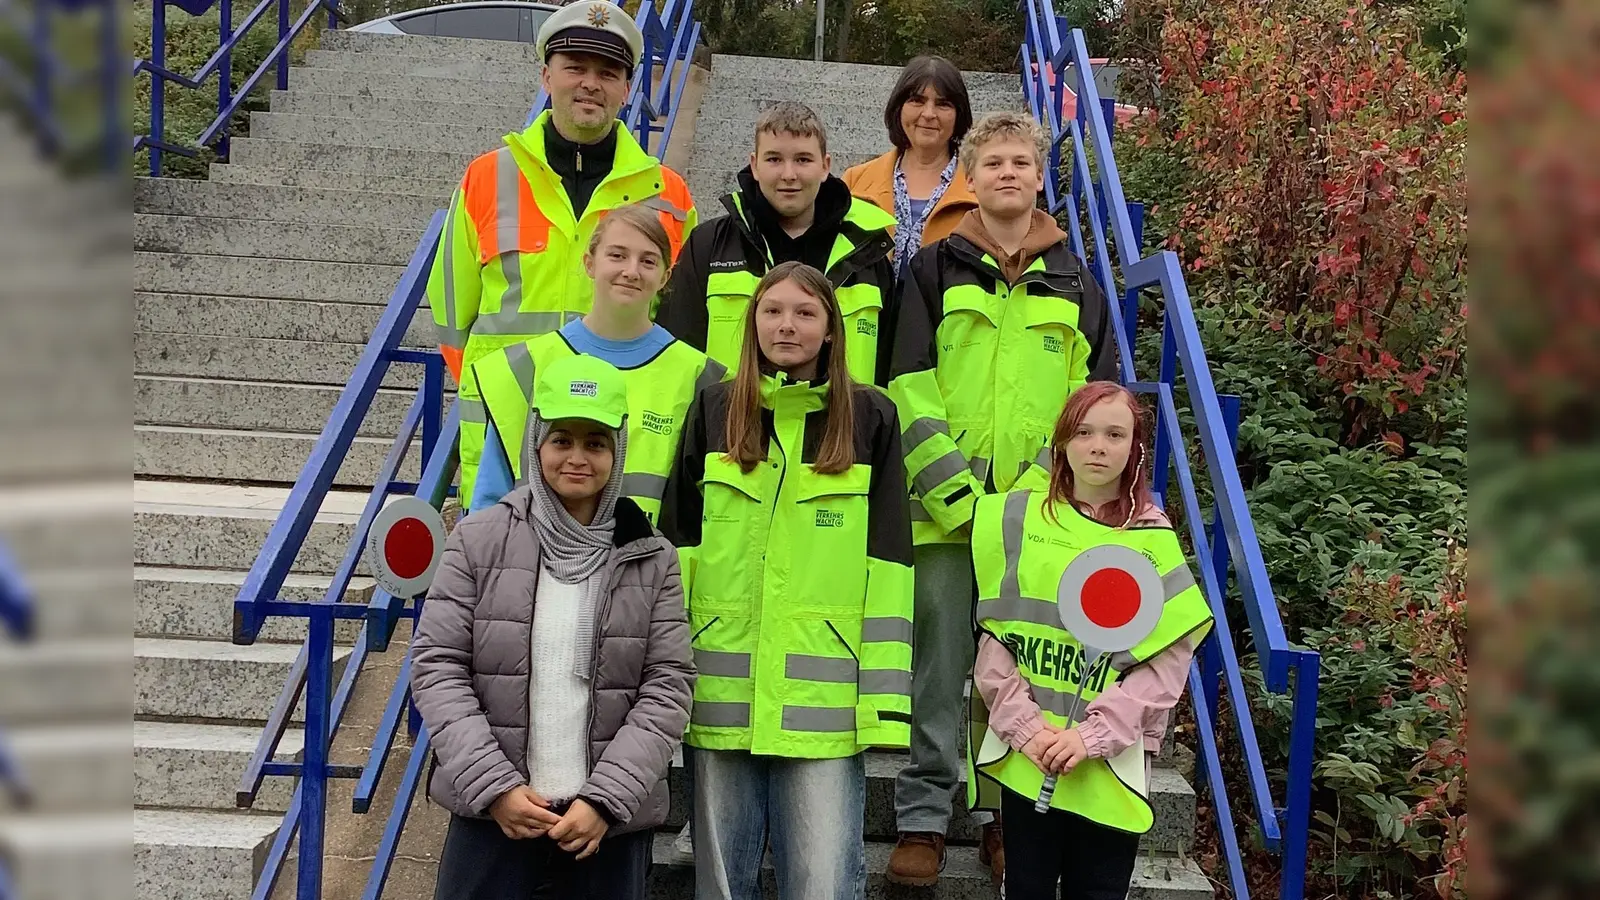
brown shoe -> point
(992, 852)
(917, 859)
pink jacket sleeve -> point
(1116, 719)
(1012, 712)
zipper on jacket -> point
(594, 656)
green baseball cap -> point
(581, 387)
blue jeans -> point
(809, 811)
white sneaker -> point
(682, 853)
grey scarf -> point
(574, 553)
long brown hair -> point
(746, 438)
(1133, 487)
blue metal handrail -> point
(220, 64)
(1053, 57)
(670, 38)
(16, 616)
(37, 89)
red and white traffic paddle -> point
(404, 546)
(1110, 599)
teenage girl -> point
(788, 504)
(1045, 707)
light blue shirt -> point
(494, 470)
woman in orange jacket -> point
(920, 182)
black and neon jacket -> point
(799, 585)
(981, 370)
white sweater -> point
(558, 700)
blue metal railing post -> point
(1296, 823)
(283, 55)
(1130, 297)
(225, 68)
(314, 770)
(158, 85)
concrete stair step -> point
(436, 189)
(63, 526)
(728, 65)
(216, 454)
(222, 526)
(65, 681)
(256, 237)
(297, 362)
(256, 153)
(72, 767)
(184, 855)
(282, 320)
(264, 277)
(82, 602)
(255, 405)
(432, 136)
(427, 47)
(214, 679)
(82, 856)
(335, 76)
(732, 86)
(404, 109)
(62, 452)
(192, 766)
(198, 603)
(277, 203)
(510, 67)
(963, 878)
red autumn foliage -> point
(1327, 164)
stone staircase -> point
(255, 293)
(64, 704)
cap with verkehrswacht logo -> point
(581, 387)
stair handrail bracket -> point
(220, 65)
(1054, 57)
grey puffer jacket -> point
(470, 666)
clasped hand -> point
(521, 813)
(1055, 750)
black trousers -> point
(480, 863)
(1093, 862)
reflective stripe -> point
(662, 204)
(819, 718)
(454, 337)
(919, 513)
(980, 468)
(1016, 608)
(511, 321)
(1053, 700)
(720, 715)
(886, 629)
(520, 361)
(713, 373)
(449, 264)
(921, 430)
(722, 664)
(884, 681)
(1177, 581)
(939, 471)
(473, 410)
(1122, 661)
(508, 229)
(643, 484)
(1044, 459)
(833, 669)
(1011, 522)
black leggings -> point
(1093, 862)
(480, 863)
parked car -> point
(491, 20)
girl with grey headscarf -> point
(552, 665)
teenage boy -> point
(997, 325)
(788, 208)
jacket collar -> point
(630, 158)
(876, 185)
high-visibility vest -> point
(982, 371)
(798, 584)
(659, 394)
(862, 242)
(1018, 556)
(510, 261)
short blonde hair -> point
(1000, 126)
(790, 117)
